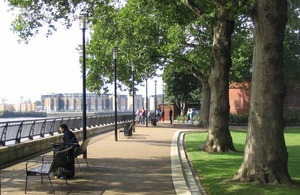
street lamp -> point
(155, 82)
(147, 101)
(163, 102)
(83, 26)
(133, 112)
(115, 56)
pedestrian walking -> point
(171, 115)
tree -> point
(219, 138)
(38, 103)
(265, 158)
(190, 46)
(179, 87)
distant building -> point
(72, 102)
(7, 107)
(122, 102)
(138, 102)
(26, 106)
(159, 101)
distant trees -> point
(180, 87)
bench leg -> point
(26, 184)
(51, 184)
(78, 163)
(42, 179)
(87, 164)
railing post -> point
(42, 132)
(3, 136)
(19, 133)
(31, 131)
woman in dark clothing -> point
(171, 115)
(69, 138)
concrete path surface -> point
(149, 162)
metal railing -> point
(14, 132)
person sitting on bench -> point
(69, 138)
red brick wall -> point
(239, 98)
(292, 100)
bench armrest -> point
(33, 163)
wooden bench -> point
(44, 167)
(81, 150)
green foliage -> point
(242, 52)
(180, 85)
(291, 118)
(292, 43)
(35, 15)
(184, 118)
(38, 103)
(238, 119)
(181, 118)
(216, 179)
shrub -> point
(290, 118)
(238, 119)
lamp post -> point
(163, 102)
(147, 101)
(155, 82)
(115, 56)
(133, 112)
(83, 26)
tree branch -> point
(192, 5)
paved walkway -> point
(152, 161)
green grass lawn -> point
(217, 169)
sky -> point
(44, 65)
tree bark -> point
(205, 104)
(266, 157)
(205, 100)
(181, 104)
(219, 138)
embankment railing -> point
(14, 132)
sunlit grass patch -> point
(217, 169)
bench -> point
(45, 168)
(81, 150)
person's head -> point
(63, 127)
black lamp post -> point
(83, 26)
(155, 82)
(163, 101)
(133, 112)
(147, 101)
(115, 56)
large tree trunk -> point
(205, 104)
(265, 158)
(219, 138)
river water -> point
(18, 119)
